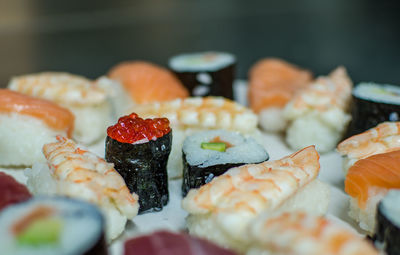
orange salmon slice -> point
(146, 82)
(53, 115)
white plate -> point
(172, 217)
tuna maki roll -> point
(211, 153)
(52, 225)
(205, 73)
(387, 229)
(139, 149)
(372, 104)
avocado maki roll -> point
(373, 104)
(205, 73)
(387, 231)
(211, 153)
(52, 225)
(139, 149)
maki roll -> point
(139, 149)
(372, 104)
(205, 73)
(388, 223)
(211, 153)
(52, 225)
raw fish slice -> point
(12, 192)
(147, 82)
(380, 170)
(202, 112)
(53, 115)
(273, 82)
(302, 234)
(167, 243)
(62, 88)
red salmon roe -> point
(131, 128)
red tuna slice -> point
(11, 191)
(167, 243)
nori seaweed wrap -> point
(205, 73)
(387, 230)
(211, 153)
(52, 225)
(373, 104)
(141, 161)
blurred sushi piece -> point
(74, 172)
(318, 115)
(207, 73)
(367, 181)
(195, 114)
(223, 209)
(299, 233)
(11, 191)
(387, 229)
(383, 138)
(272, 84)
(26, 124)
(372, 104)
(168, 243)
(86, 100)
(211, 153)
(139, 149)
(52, 225)
(146, 82)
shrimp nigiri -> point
(222, 209)
(76, 172)
(383, 138)
(319, 113)
(83, 97)
(300, 233)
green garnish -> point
(214, 146)
(41, 232)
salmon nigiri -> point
(273, 82)
(26, 123)
(367, 181)
(146, 82)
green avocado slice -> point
(214, 146)
(41, 232)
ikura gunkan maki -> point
(139, 149)
(205, 73)
(211, 153)
(372, 104)
(387, 235)
(52, 225)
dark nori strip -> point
(387, 233)
(195, 176)
(144, 169)
(367, 114)
(100, 248)
(221, 84)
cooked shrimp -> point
(222, 209)
(318, 114)
(301, 234)
(383, 138)
(207, 112)
(62, 88)
(69, 163)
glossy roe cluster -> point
(131, 129)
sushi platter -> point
(282, 163)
